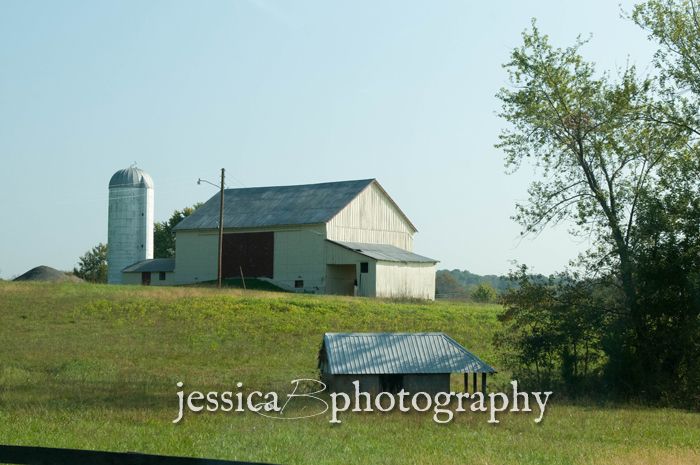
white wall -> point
(406, 280)
(135, 278)
(372, 218)
(196, 256)
(299, 255)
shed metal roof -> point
(384, 252)
(151, 264)
(256, 207)
(399, 353)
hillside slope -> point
(95, 366)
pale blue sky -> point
(277, 93)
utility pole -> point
(221, 228)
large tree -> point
(602, 155)
(595, 153)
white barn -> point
(347, 238)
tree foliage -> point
(92, 266)
(675, 26)
(595, 154)
(619, 161)
(484, 292)
(551, 329)
(447, 286)
(163, 234)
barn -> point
(390, 362)
(345, 238)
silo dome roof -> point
(131, 177)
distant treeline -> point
(462, 284)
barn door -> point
(249, 253)
(146, 278)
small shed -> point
(152, 271)
(390, 362)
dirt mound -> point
(46, 273)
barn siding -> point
(299, 254)
(372, 218)
(406, 280)
(196, 256)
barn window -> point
(299, 283)
(364, 267)
(161, 276)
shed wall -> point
(135, 278)
(406, 280)
(366, 282)
(343, 383)
(430, 383)
(372, 218)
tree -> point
(668, 256)
(447, 285)
(484, 292)
(551, 334)
(163, 235)
(93, 265)
(668, 274)
(596, 152)
(619, 160)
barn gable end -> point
(372, 217)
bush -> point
(93, 265)
(484, 292)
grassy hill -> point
(94, 366)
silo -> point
(130, 223)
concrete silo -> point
(130, 223)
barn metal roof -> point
(384, 252)
(399, 353)
(131, 177)
(275, 206)
(151, 264)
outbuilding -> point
(390, 362)
(154, 271)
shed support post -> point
(474, 382)
(466, 382)
(483, 383)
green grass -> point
(252, 284)
(95, 367)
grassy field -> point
(95, 367)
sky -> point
(278, 93)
